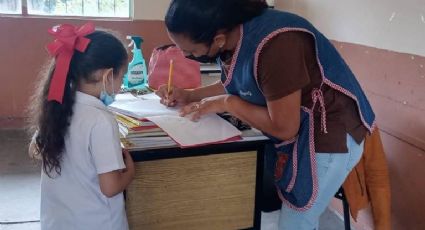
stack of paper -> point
(209, 129)
(148, 143)
(130, 127)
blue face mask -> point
(105, 97)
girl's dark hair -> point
(201, 19)
(50, 119)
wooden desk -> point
(210, 187)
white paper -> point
(141, 108)
(149, 96)
(209, 129)
(125, 97)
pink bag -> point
(186, 72)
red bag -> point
(186, 72)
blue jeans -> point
(332, 169)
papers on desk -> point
(150, 143)
(209, 129)
(141, 108)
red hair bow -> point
(68, 38)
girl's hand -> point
(129, 164)
(112, 183)
(216, 104)
(177, 96)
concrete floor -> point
(20, 189)
(19, 183)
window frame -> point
(15, 14)
(24, 13)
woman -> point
(283, 77)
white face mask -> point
(104, 96)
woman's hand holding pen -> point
(176, 96)
(171, 96)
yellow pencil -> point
(170, 77)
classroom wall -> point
(395, 88)
(155, 10)
(383, 42)
(150, 10)
(387, 24)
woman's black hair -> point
(200, 20)
(50, 119)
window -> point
(86, 8)
(10, 7)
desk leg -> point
(259, 188)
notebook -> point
(209, 129)
(141, 108)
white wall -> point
(397, 25)
(150, 9)
(155, 9)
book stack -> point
(132, 128)
(144, 123)
(134, 131)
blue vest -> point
(297, 186)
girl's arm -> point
(115, 182)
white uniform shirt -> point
(73, 200)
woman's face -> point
(198, 50)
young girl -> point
(84, 172)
